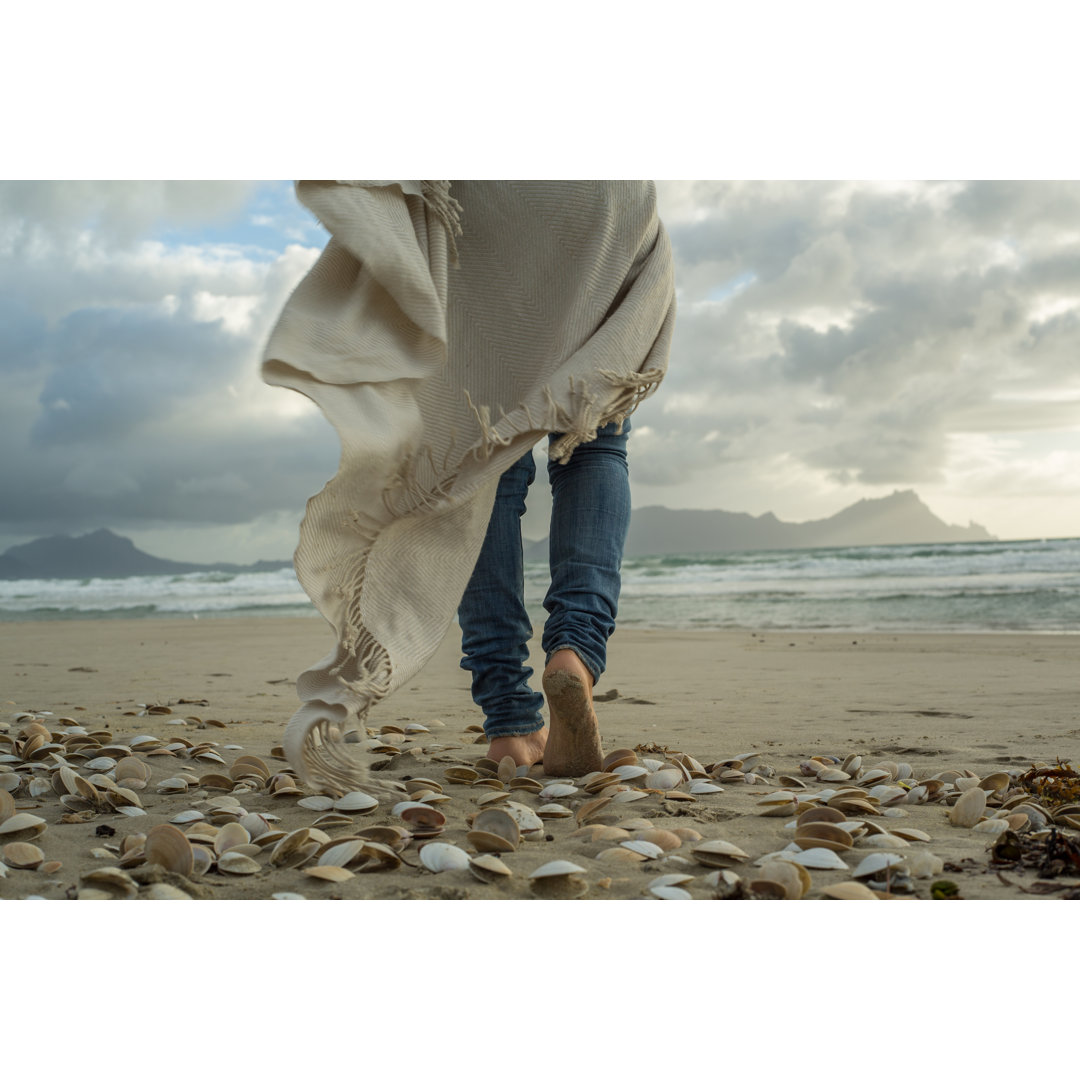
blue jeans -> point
(590, 514)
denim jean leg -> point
(590, 516)
(495, 627)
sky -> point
(834, 341)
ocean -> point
(1028, 586)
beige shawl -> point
(443, 332)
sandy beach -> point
(982, 703)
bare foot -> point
(524, 749)
(573, 746)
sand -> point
(980, 702)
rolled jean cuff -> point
(507, 729)
(593, 665)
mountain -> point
(102, 554)
(900, 518)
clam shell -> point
(669, 892)
(922, 863)
(643, 847)
(530, 826)
(356, 802)
(558, 791)
(615, 758)
(718, 853)
(233, 862)
(875, 863)
(665, 779)
(316, 802)
(167, 846)
(7, 805)
(848, 890)
(815, 859)
(489, 868)
(20, 855)
(159, 890)
(793, 877)
(969, 808)
(230, 835)
(24, 826)
(662, 838)
(824, 834)
(558, 880)
(437, 857)
(489, 842)
(328, 873)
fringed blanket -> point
(444, 330)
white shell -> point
(438, 856)
(316, 802)
(558, 791)
(672, 879)
(669, 892)
(875, 862)
(969, 808)
(665, 779)
(355, 802)
(557, 868)
(630, 772)
(644, 847)
(815, 859)
(703, 787)
(922, 863)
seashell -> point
(377, 856)
(718, 853)
(461, 774)
(629, 773)
(876, 863)
(294, 849)
(529, 825)
(167, 846)
(233, 862)
(669, 892)
(851, 764)
(815, 859)
(22, 827)
(643, 847)
(437, 857)
(185, 817)
(490, 798)
(631, 795)
(821, 813)
(507, 769)
(489, 868)
(906, 832)
(420, 783)
(420, 817)
(172, 784)
(888, 793)
(159, 890)
(596, 782)
(526, 783)
(995, 782)
(356, 802)
(7, 805)
(888, 841)
(287, 896)
(393, 836)
(316, 802)
(791, 876)
(703, 787)
(621, 855)
(229, 836)
(558, 791)
(849, 890)
(922, 863)
(777, 804)
(665, 779)
(662, 838)
(966, 783)
(991, 827)
(554, 810)
(340, 852)
(328, 873)
(823, 834)
(111, 880)
(969, 808)
(558, 880)
(833, 775)
(20, 855)
(616, 758)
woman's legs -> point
(495, 628)
(589, 519)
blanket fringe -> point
(437, 198)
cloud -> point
(834, 341)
